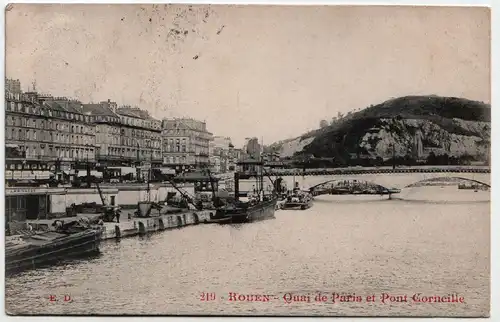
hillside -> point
(417, 126)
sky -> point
(271, 72)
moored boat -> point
(298, 200)
(34, 251)
(245, 212)
(298, 204)
(259, 205)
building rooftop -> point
(134, 112)
(98, 109)
(70, 106)
(54, 106)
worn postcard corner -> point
(225, 160)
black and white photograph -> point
(247, 160)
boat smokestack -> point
(236, 186)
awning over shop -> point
(195, 177)
(167, 170)
(250, 161)
(28, 175)
(92, 173)
(124, 170)
(11, 145)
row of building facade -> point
(45, 132)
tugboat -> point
(259, 206)
(298, 200)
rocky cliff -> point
(411, 126)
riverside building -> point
(127, 139)
(45, 135)
(185, 144)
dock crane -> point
(145, 207)
(108, 211)
(185, 195)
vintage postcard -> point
(247, 160)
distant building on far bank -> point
(252, 148)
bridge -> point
(362, 187)
(351, 187)
(387, 181)
(379, 170)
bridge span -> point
(379, 170)
(389, 180)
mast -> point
(89, 183)
(148, 191)
(138, 161)
(103, 200)
(273, 182)
(211, 184)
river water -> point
(427, 241)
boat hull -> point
(81, 244)
(297, 205)
(261, 211)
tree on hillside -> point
(323, 123)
